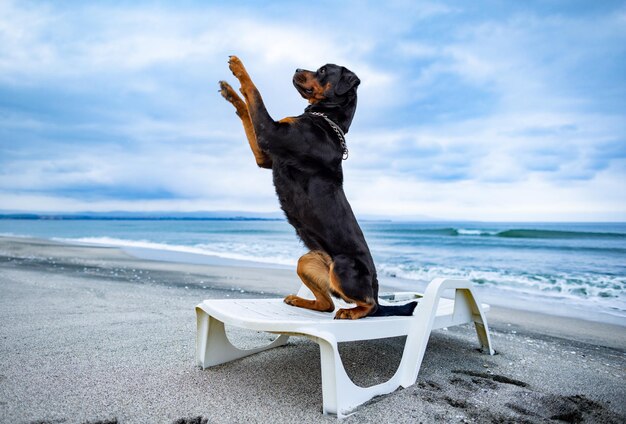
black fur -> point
(306, 158)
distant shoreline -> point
(277, 217)
(36, 217)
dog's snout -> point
(299, 70)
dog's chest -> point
(292, 187)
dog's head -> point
(329, 84)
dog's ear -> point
(347, 82)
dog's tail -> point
(395, 310)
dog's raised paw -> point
(232, 97)
(236, 67)
(226, 91)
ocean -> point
(568, 269)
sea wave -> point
(557, 234)
(465, 232)
(515, 233)
(606, 289)
(240, 252)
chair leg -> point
(479, 318)
(340, 395)
(332, 370)
(424, 316)
(213, 346)
(417, 339)
(482, 330)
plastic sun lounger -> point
(340, 395)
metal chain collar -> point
(340, 134)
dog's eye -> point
(322, 71)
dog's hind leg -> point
(350, 279)
(262, 159)
(313, 270)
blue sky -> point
(482, 110)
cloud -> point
(510, 112)
(531, 200)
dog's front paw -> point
(227, 91)
(236, 67)
(232, 97)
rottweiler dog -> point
(305, 155)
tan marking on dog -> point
(261, 158)
(361, 310)
(313, 270)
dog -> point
(305, 155)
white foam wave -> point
(226, 251)
(466, 232)
(14, 235)
(602, 289)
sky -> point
(481, 110)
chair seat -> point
(275, 316)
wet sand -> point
(92, 334)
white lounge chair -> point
(340, 394)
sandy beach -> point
(95, 335)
